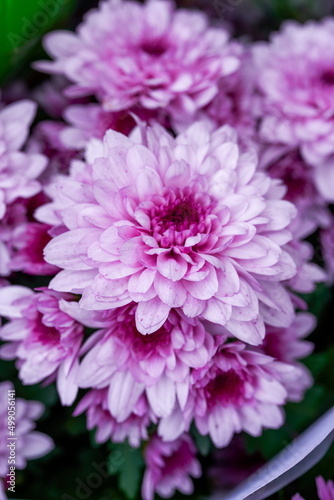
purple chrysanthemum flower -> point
(159, 363)
(168, 467)
(150, 55)
(296, 80)
(18, 170)
(325, 490)
(134, 428)
(286, 163)
(240, 389)
(287, 346)
(176, 223)
(44, 339)
(29, 444)
(327, 244)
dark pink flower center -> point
(226, 388)
(44, 334)
(142, 346)
(177, 461)
(180, 215)
(296, 176)
(154, 48)
(327, 78)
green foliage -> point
(127, 463)
(22, 23)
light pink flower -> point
(167, 223)
(91, 120)
(27, 243)
(287, 346)
(240, 389)
(134, 428)
(22, 239)
(18, 170)
(283, 162)
(327, 246)
(325, 490)
(45, 340)
(168, 467)
(235, 102)
(29, 444)
(47, 140)
(159, 363)
(50, 96)
(296, 79)
(151, 55)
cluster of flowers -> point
(169, 198)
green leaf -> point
(127, 463)
(203, 443)
(22, 22)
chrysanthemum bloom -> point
(129, 362)
(22, 239)
(185, 222)
(27, 243)
(91, 120)
(150, 55)
(308, 273)
(46, 139)
(240, 389)
(29, 444)
(50, 96)
(327, 246)
(286, 163)
(18, 170)
(325, 490)
(235, 102)
(45, 340)
(287, 345)
(14, 217)
(168, 467)
(296, 79)
(134, 428)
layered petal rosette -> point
(29, 444)
(240, 389)
(134, 428)
(168, 467)
(129, 363)
(150, 55)
(296, 80)
(177, 223)
(44, 340)
(287, 346)
(18, 170)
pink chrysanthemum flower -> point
(46, 139)
(325, 490)
(18, 170)
(159, 363)
(240, 389)
(287, 346)
(168, 223)
(327, 244)
(134, 428)
(29, 444)
(22, 240)
(44, 339)
(282, 162)
(151, 55)
(235, 102)
(168, 467)
(296, 80)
